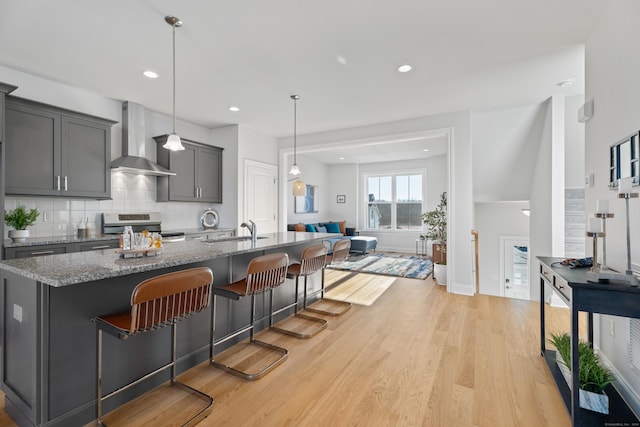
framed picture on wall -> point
(308, 203)
(341, 198)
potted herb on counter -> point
(20, 219)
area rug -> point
(397, 265)
(361, 289)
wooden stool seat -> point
(155, 303)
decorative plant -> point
(436, 221)
(593, 376)
(20, 218)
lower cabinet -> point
(39, 250)
(60, 248)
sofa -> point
(358, 243)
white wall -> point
(573, 143)
(458, 127)
(252, 145)
(495, 219)
(504, 142)
(313, 173)
(343, 180)
(612, 71)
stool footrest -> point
(322, 324)
(251, 376)
(341, 307)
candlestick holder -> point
(605, 276)
(604, 217)
(595, 268)
(626, 197)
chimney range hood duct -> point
(133, 144)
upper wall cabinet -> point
(198, 170)
(54, 152)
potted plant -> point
(436, 222)
(593, 376)
(20, 219)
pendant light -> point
(299, 189)
(173, 142)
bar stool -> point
(263, 274)
(155, 303)
(313, 259)
(340, 253)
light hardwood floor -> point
(417, 357)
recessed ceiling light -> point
(340, 158)
(234, 109)
(425, 150)
(341, 59)
(150, 74)
(404, 68)
(565, 83)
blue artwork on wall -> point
(308, 203)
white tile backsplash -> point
(130, 193)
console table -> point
(613, 298)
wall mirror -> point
(308, 203)
(624, 160)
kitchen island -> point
(49, 340)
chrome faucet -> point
(253, 229)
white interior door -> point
(514, 268)
(261, 195)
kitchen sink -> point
(232, 239)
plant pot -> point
(440, 273)
(18, 236)
(588, 400)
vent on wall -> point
(634, 343)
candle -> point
(594, 225)
(603, 207)
(624, 185)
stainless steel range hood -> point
(133, 144)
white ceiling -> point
(466, 54)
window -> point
(395, 201)
(624, 160)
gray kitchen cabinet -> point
(198, 170)
(96, 245)
(54, 152)
(37, 250)
(59, 248)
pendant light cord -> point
(295, 121)
(174, 78)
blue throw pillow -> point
(333, 227)
(322, 229)
(310, 228)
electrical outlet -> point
(17, 312)
(612, 328)
(45, 216)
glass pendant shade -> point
(299, 189)
(173, 143)
(295, 170)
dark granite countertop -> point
(79, 267)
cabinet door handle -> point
(65, 183)
(42, 252)
(58, 183)
(101, 247)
